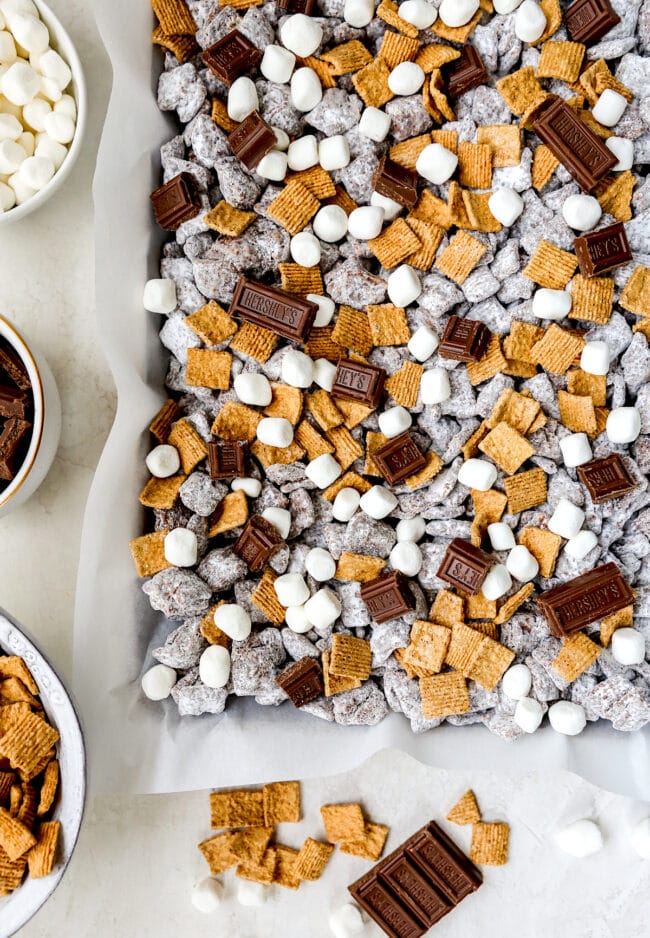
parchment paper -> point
(139, 746)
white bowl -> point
(46, 430)
(59, 40)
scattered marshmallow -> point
(291, 589)
(478, 474)
(282, 139)
(160, 296)
(411, 529)
(242, 98)
(325, 312)
(306, 89)
(10, 127)
(552, 304)
(567, 718)
(163, 461)
(320, 564)
(8, 52)
(7, 197)
(233, 619)
(250, 487)
(521, 564)
(214, 666)
(280, 518)
(358, 13)
(517, 682)
(623, 150)
(528, 714)
(640, 838)
(374, 123)
(301, 34)
(12, 155)
(530, 21)
(250, 893)
(330, 223)
(323, 471)
(418, 13)
(346, 921)
(158, 681)
(609, 107)
(52, 66)
(346, 504)
(623, 425)
(181, 547)
(436, 163)
(297, 369)
(456, 13)
(423, 343)
(35, 112)
(273, 166)
(305, 249)
(595, 358)
(628, 646)
(323, 609)
(576, 449)
(378, 502)
(497, 582)
(296, 619)
(580, 544)
(302, 153)
(54, 151)
(275, 431)
(334, 152)
(582, 212)
(390, 206)
(567, 519)
(501, 536)
(206, 895)
(406, 557)
(506, 205)
(365, 222)
(394, 421)
(277, 64)
(580, 839)
(20, 84)
(22, 191)
(253, 389)
(435, 386)
(506, 6)
(324, 374)
(404, 285)
(406, 78)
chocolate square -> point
(358, 381)
(606, 478)
(602, 250)
(465, 566)
(388, 596)
(589, 20)
(399, 458)
(227, 460)
(465, 73)
(302, 682)
(257, 543)
(176, 202)
(396, 182)
(464, 340)
(232, 56)
(251, 140)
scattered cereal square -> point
(254, 341)
(592, 299)
(557, 350)
(370, 846)
(348, 57)
(207, 368)
(212, 324)
(475, 163)
(577, 412)
(189, 444)
(444, 695)
(236, 422)
(544, 165)
(460, 257)
(490, 844)
(404, 385)
(343, 822)
(298, 279)
(161, 493)
(525, 490)
(162, 423)
(230, 513)
(544, 546)
(358, 567)
(281, 803)
(346, 449)
(388, 12)
(42, 857)
(294, 207)
(371, 83)
(636, 293)
(336, 683)
(561, 60)
(148, 552)
(394, 244)
(397, 47)
(550, 266)
(520, 90)
(508, 448)
(388, 325)
(266, 599)
(447, 609)
(286, 401)
(578, 653)
(350, 657)
(513, 603)
(228, 220)
(312, 859)
(504, 141)
(236, 808)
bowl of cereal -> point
(43, 105)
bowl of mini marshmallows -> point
(42, 106)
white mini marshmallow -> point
(580, 544)
(378, 502)
(326, 309)
(623, 150)
(20, 84)
(280, 518)
(394, 421)
(320, 564)
(27, 140)
(506, 205)
(374, 123)
(206, 895)
(407, 558)
(521, 564)
(323, 608)
(365, 222)
(250, 893)
(30, 33)
(10, 127)
(250, 487)
(323, 471)
(551, 304)
(51, 90)
(160, 296)
(233, 619)
(406, 78)
(297, 369)
(242, 98)
(51, 65)
(628, 646)
(640, 838)
(303, 153)
(595, 358)
(158, 681)
(517, 682)
(214, 666)
(296, 619)
(36, 172)
(477, 474)
(404, 285)
(506, 6)
(582, 212)
(457, 12)
(334, 152)
(423, 343)
(436, 163)
(275, 431)
(7, 197)
(567, 718)
(273, 166)
(358, 13)
(623, 425)
(528, 714)
(580, 839)
(324, 374)
(282, 139)
(12, 155)
(163, 461)
(35, 112)
(301, 34)
(609, 107)
(330, 223)
(576, 449)
(346, 504)
(8, 52)
(346, 921)
(181, 547)
(530, 21)
(22, 191)
(497, 582)
(501, 536)
(567, 519)
(305, 249)
(418, 13)
(277, 64)
(390, 206)
(411, 529)
(291, 589)
(306, 89)
(53, 150)
(253, 389)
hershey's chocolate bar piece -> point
(606, 478)
(464, 340)
(585, 599)
(465, 566)
(399, 458)
(302, 682)
(396, 182)
(251, 140)
(589, 20)
(13, 403)
(176, 202)
(13, 367)
(577, 147)
(227, 460)
(602, 250)
(414, 888)
(387, 596)
(439, 858)
(465, 73)
(11, 438)
(257, 543)
(297, 6)
(384, 907)
(286, 314)
(232, 56)
(358, 381)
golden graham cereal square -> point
(281, 803)
(550, 266)
(459, 259)
(506, 447)
(444, 695)
(370, 846)
(343, 822)
(236, 808)
(578, 653)
(312, 859)
(350, 657)
(465, 811)
(490, 844)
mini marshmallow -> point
(580, 544)
(20, 84)
(567, 718)
(323, 470)
(30, 33)
(324, 374)
(374, 123)
(358, 13)
(160, 296)
(206, 895)
(406, 78)
(436, 163)
(282, 139)
(181, 547)
(365, 222)
(530, 21)
(346, 921)
(12, 155)
(457, 12)
(394, 421)
(306, 89)
(50, 89)
(580, 839)
(506, 205)
(10, 127)
(517, 682)
(406, 557)
(59, 127)
(497, 582)
(242, 98)
(330, 223)
(158, 681)
(323, 609)
(250, 893)
(296, 619)
(576, 449)
(280, 518)
(582, 212)
(404, 285)
(291, 589)
(334, 152)
(214, 666)
(477, 474)
(609, 107)
(623, 150)
(551, 304)
(411, 529)
(640, 838)
(595, 358)
(27, 141)
(303, 153)
(35, 113)
(623, 425)
(7, 197)
(22, 191)
(301, 34)
(51, 65)
(567, 519)
(418, 13)
(277, 64)
(233, 619)
(253, 389)
(423, 343)
(163, 461)
(326, 309)
(346, 504)
(506, 6)
(528, 714)
(501, 536)
(521, 564)
(54, 151)
(273, 166)
(275, 431)
(250, 487)
(36, 172)
(297, 369)
(8, 52)
(320, 564)
(305, 249)
(628, 646)
(378, 502)
(390, 206)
